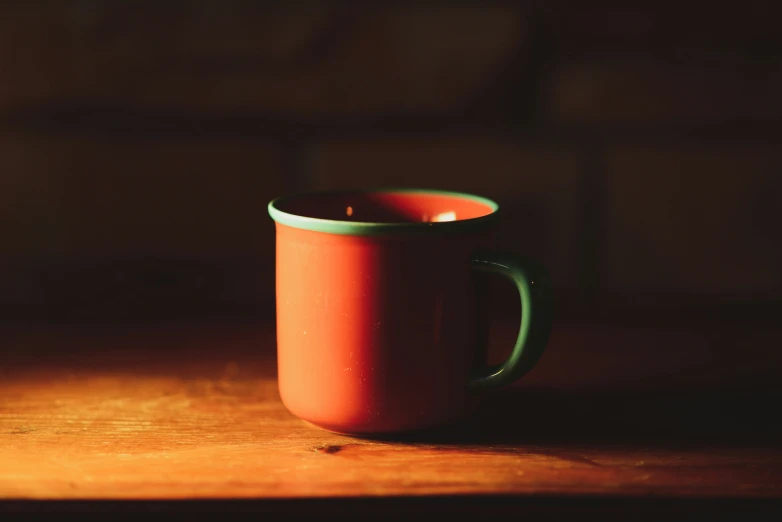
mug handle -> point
(534, 286)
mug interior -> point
(388, 206)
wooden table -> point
(649, 419)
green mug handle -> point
(534, 286)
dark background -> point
(634, 146)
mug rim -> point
(369, 228)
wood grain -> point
(192, 411)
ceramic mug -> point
(379, 300)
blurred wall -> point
(635, 147)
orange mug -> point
(378, 323)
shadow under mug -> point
(379, 307)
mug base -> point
(442, 429)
